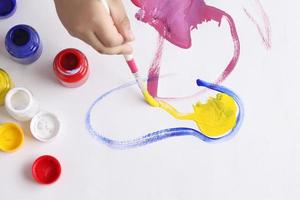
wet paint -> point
(169, 132)
(174, 21)
(214, 118)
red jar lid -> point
(46, 169)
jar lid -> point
(46, 169)
(5, 85)
(44, 126)
(11, 137)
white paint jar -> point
(20, 104)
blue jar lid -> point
(22, 41)
(7, 8)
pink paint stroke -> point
(153, 73)
(217, 15)
(266, 38)
(208, 13)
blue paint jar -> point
(7, 8)
(23, 43)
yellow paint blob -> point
(11, 137)
(5, 85)
(214, 118)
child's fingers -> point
(120, 19)
(103, 26)
(93, 41)
(89, 21)
(121, 49)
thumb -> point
(120, 19)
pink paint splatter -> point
(174, 20)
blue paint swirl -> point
(165, 133)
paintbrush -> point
(130, 62)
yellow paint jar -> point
(11, 137)
(5, 85)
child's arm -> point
(89, 21)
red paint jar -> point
(71, 68)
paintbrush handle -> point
(129, 59)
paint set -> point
(23, 44)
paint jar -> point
(23, 43)
(20, 104)
(71, 68)
(7, 8)
(5, 85)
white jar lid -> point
(44, 126)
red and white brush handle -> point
(129, 59)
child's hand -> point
(89, 21)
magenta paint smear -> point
(174, 20)
(266, 37)
(153, 73)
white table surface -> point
(261, 162)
